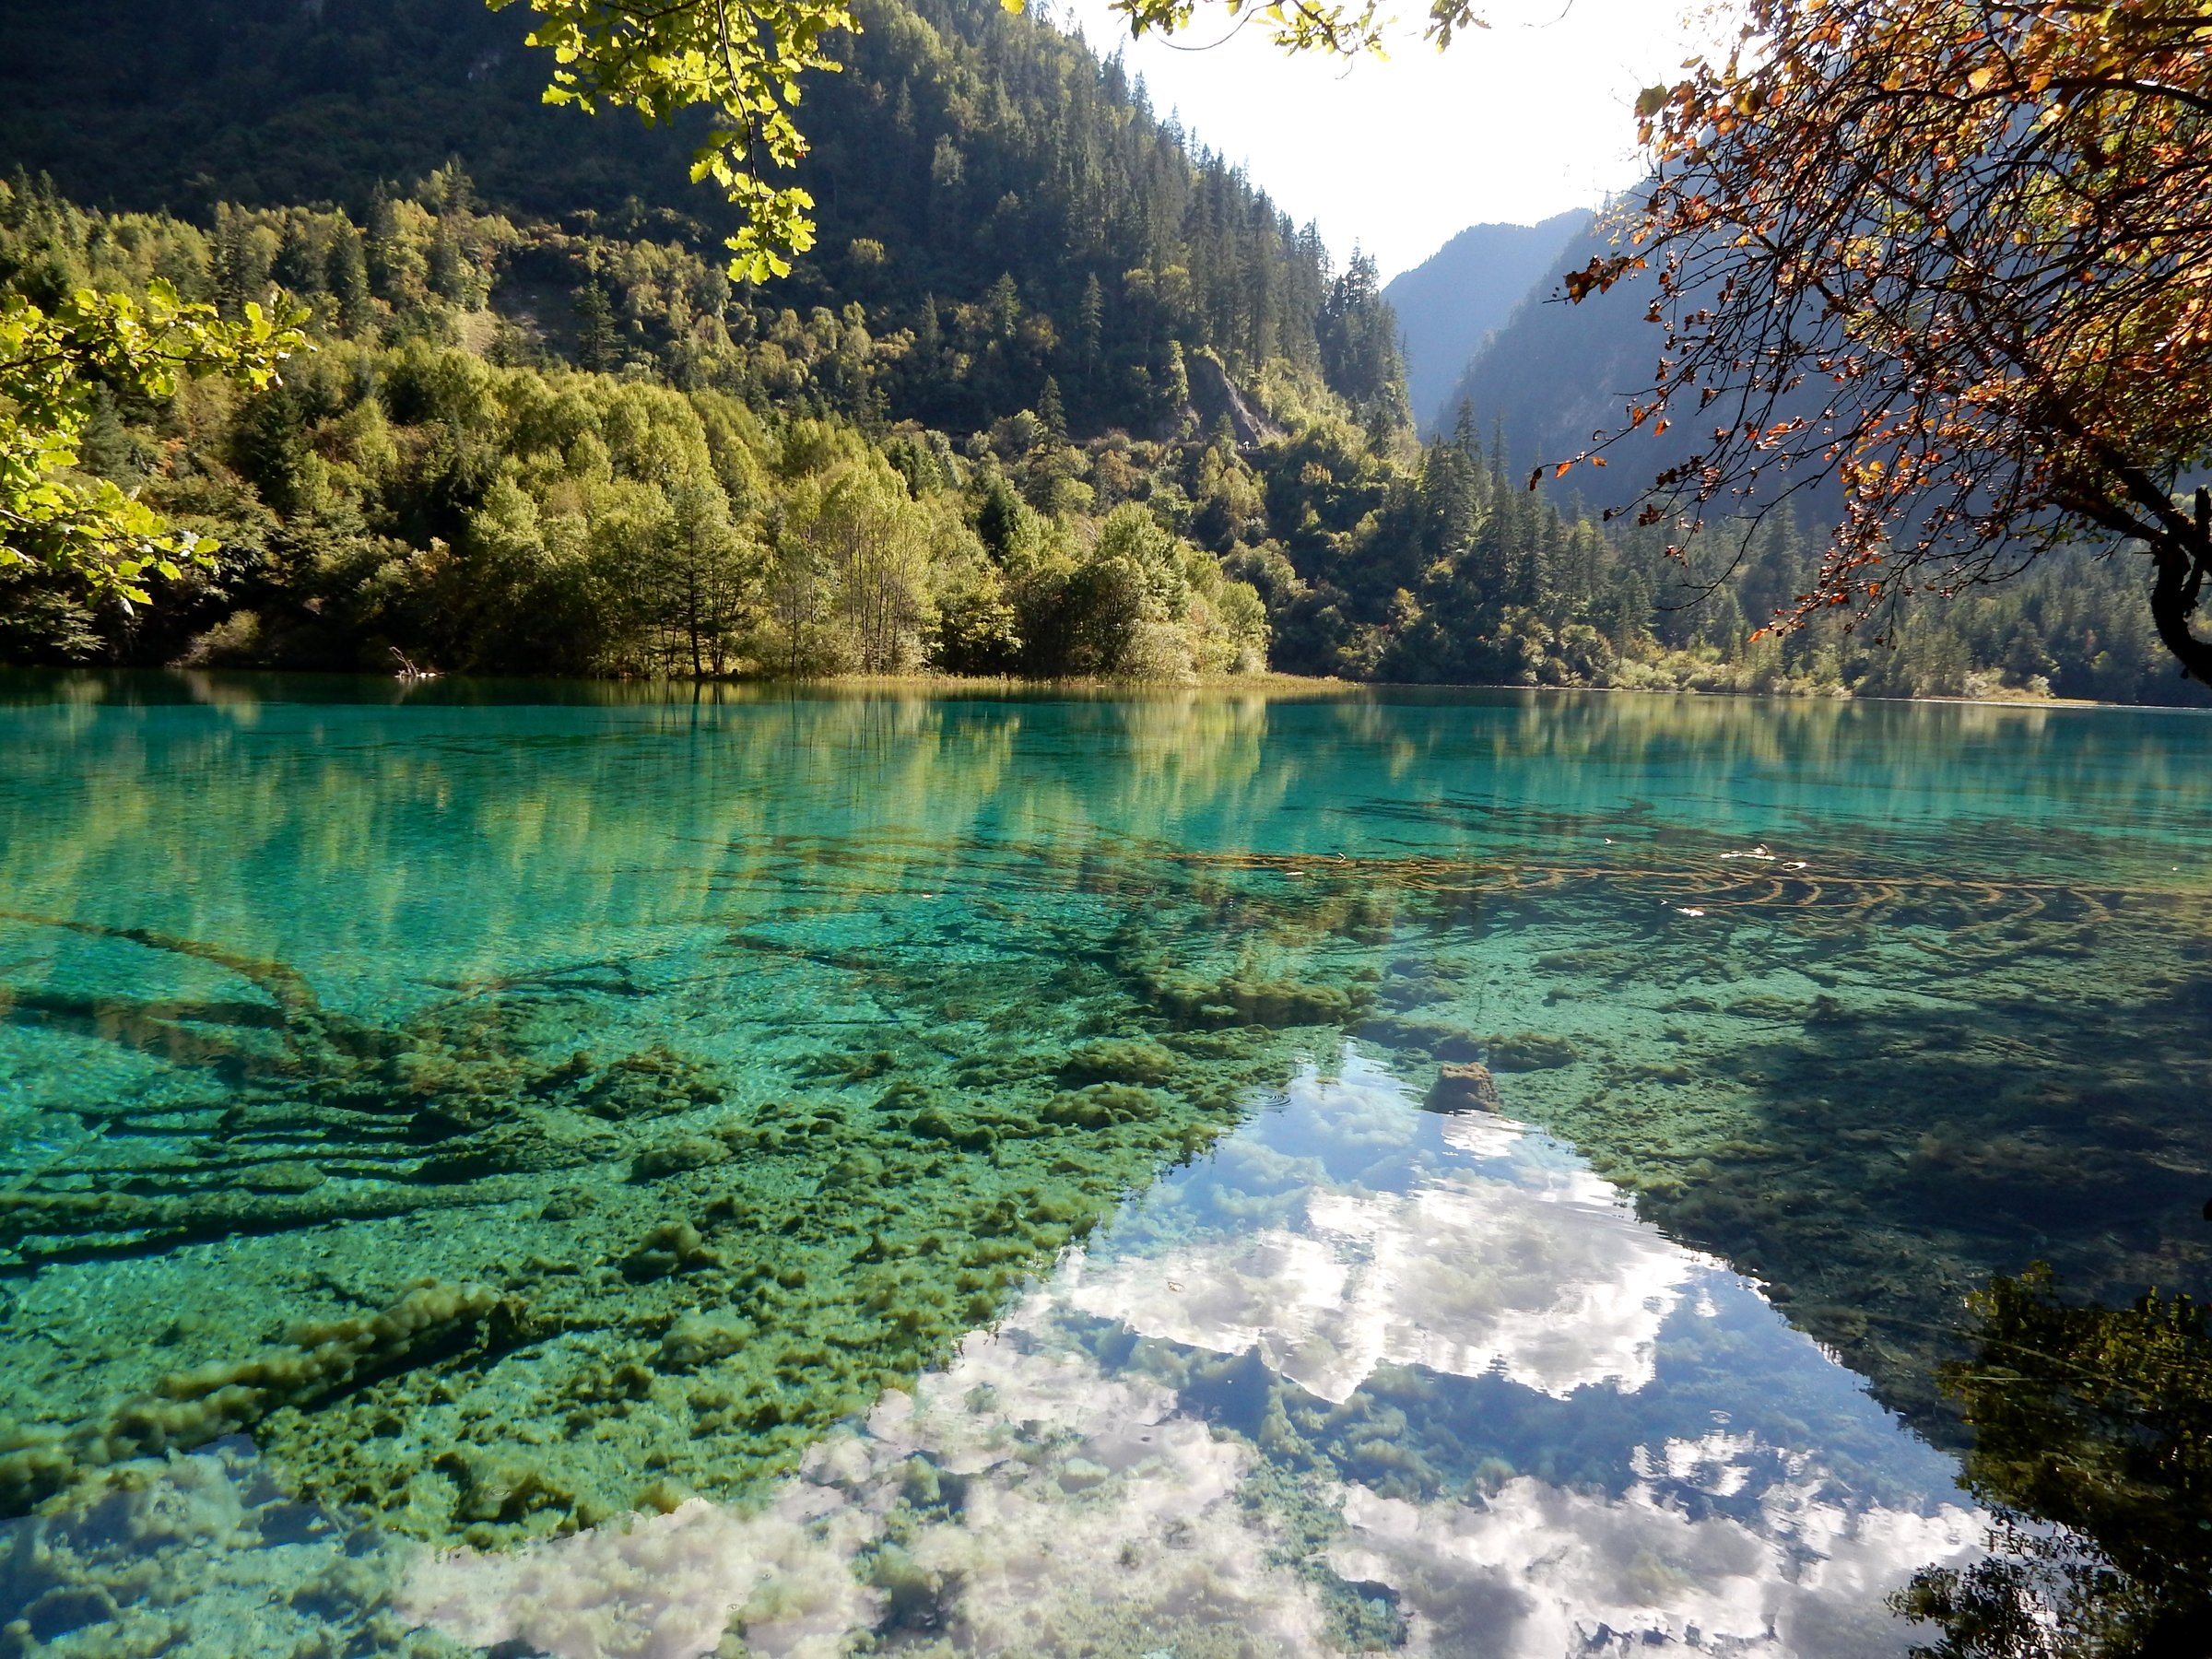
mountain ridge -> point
(1450, 303)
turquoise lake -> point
(593, 1172)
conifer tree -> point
(596, 344)
(1090, 321)
(349, 279)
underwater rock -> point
(1532, 1050)
(675, 1157)
(1463, 1088)
(672, 1247)
(1116, 1059)
(189, 1408)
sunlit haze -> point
(1512, 125)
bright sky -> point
(1512, 125)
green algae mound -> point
(651, 1270)
(187, 1410)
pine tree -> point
(241, 271)
(1090, 322)
(1004, 306)
(299, 264)
(595, 330)
(1175, 378)
(382, 242)
(1049, 413)
(348, 279)
(929, 336)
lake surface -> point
(568, 1170)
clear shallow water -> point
(960, 1167)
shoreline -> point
(1271, 684)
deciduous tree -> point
(54, 365)
(1951, 260)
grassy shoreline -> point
(210, 683)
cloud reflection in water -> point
(1053, 1493)
(1507, 1264)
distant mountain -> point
(1450, 304)
(1557, 374)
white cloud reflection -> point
(1524, 1267)
(662, 1586)
(1540, 1572)
(1092, 1515)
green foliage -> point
(2097, 1420)
(62, 369)
(744, 63)
(1001, 205)
(741, 61)
(1031, 301)
(436, 481)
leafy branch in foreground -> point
(1950, 260)
(1345, 30)
(51, 366)
(742, 60)
(739, 59)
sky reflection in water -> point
(1660, 1459)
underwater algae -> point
(1572, 1428)
(647, 1289)
(681, 1291)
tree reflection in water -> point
(2093, 1431)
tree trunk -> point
(2181, 562)
(691, 614)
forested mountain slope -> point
(959, 146)
(1450, 304)
(1054, 394)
